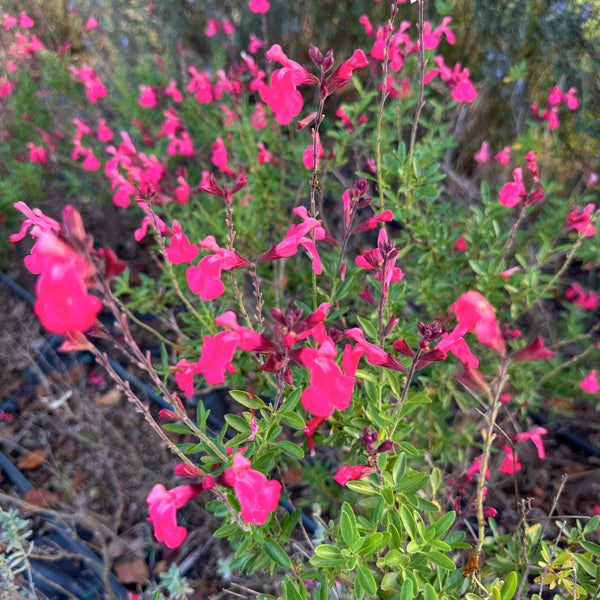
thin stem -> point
(492, 416)
(384, 96)
(420, 103)
(411, 373)
(126, 389)
(511, 237)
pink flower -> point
(308, 157)
(282, 97)
(94, 88)
(264, 156)
(248, 339)
(259, 6)
(163, 505)
(329, 389)
(375, 355)
(534, 351)
(63, 304)
(212, 27)
(535, 435)
(472, 379)
(257, 495)
(204, 279)
(483, 154)
(385, 217)
(372, 259)
(24, 20)
(91, 23)
(180, 249)
(220, 158)
(503, 157)
(589, 383)
(216, 356)
(147, 96)
(455, 343)
(37, 154)
(459, 82)
(512, 192)
(200, 86)
(555, 96)
(460, 245)
(342, 75)
(258, 119)
(476, 468)
(569, 98)
(506, 274)
(579, 220)
(104, 133)
(474, 312)
(310, 429)
(171, 91)
(510, 465)
(184, 376)
(351, 473)
(296, 236)
(577, 295)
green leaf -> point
(590, 547)
(177, 428)
(246, 399)
(291, 449)
(362, 487)
(587, 565)
(327, 556)
(372, 544)
(509, 587)
(289, 522)
(294, 420)
(441, 560)
(411, 482)
(290, 590)
(347, 526)
(238, 423)
(227, 530)
(399, 467)
(389, 581)
(277, 554)
(429, 592)
(367, 580)
(290, 403)
(591, 525)
(406, 591)
(419, 399)
(439, 528)
(408, 521)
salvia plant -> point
(379, 322)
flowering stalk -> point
(420, 103)
(384, 95)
